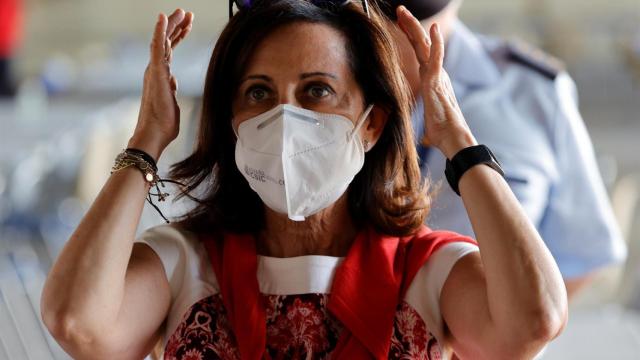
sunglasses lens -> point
(325, 3)
(244, 4)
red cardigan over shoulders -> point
(366, 289)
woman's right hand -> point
(159, 118)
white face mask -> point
(299, 161)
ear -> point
(374, 125)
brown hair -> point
(387, 194)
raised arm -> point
(509, 300)
(105, 297)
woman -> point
(310, 187)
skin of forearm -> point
(524, 286)
(86, 283)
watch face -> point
(149, 177)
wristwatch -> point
(466, 159)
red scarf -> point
(367, 288)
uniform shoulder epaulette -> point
(535, 59)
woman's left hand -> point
(507, 301)
(445, 126)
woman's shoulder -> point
(423, 293)
(176, 246)
(187, 267)
(169, 237)
(173, 231)
(435, 253)
(426, 235)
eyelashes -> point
(319, 90)
(257, 93)
(315, 91)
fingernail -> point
(436, 28)
(402, 8)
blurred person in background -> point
(10, 27)
(523, 105)
(333, 262)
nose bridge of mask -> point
(321, 119)
(300, 114)
(317, 118)
(285, 110)
(307, 130)
(261, 120)
(281, 111)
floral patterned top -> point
(296, 293)
(298, 327)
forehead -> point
(301, 47)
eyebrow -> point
(257, 77)
(318, 73)
(302, 76)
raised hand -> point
(445, 126)
(159, 117)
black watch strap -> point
(466, 159)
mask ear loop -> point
(234, 129)
(360, 122)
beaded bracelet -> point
(145, 163)
(144, 156)
(127, 158)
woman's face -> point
(301, 64)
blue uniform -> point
(526, 112)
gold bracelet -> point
(126, 159)
(150, 172)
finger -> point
(437, 49)
(185, 29)
(401, 24)
(174, 20)
(183, 35)
(186, 22)
(416, 35)
(174, 84)
(157, 43)
(168, 54)
(176, 34)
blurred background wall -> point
(598, 40)
(79, 73)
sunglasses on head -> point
(246, 4)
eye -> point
(319, 91)
(257, 93)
